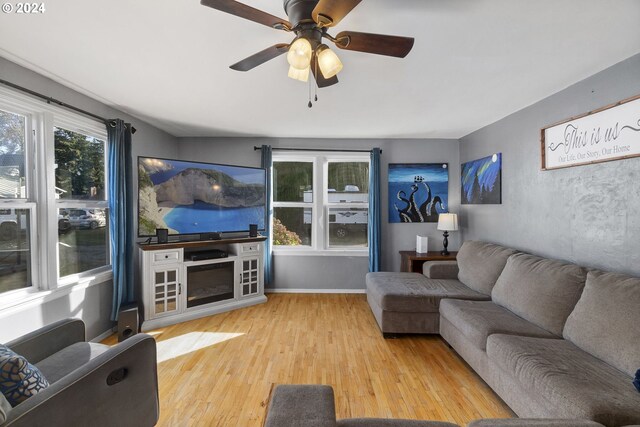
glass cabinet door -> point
(166, 290)
(249, 277)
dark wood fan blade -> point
(320, 80)
(260, 58)
(335, 10)
(247, 12)
(379, 44)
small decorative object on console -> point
(422, 244)
(162, 234)
(447, 222)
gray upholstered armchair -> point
(90, 384)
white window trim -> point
(39, 145)
(320, 206)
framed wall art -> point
(609, 133)
(481, 181)
(418, 192)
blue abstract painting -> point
(481, 181)
(418, 192)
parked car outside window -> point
(87, 218)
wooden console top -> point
(198, 243)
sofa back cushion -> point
(540, 290)
(480, 264)
(605, 321)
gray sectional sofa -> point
(553, 339)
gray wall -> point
(585, 214)
(93, 304)
(326, 272)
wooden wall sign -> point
(609, 133)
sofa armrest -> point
(119, 387)
(42, 343)
(440, 269)
(301, 405)
(532, 422)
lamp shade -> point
(302, 75)
(328, 61)
(448, 222)
(299, 55)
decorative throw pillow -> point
(636, 381)
(19, 379)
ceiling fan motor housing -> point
(299, 11)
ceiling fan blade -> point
(379, 44)
(260, 57)
(320, 80)
(247, 12)
(334, 10)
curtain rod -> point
(50, 100)
(256, 148)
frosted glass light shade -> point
(299, 55)
(328, 61)
(448, 222)
(302, 75)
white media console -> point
(186, 280)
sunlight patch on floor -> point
(188, 343)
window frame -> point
(320, 205)
(40, 191)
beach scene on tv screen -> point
(189, 197)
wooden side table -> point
(411, 261)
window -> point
(53, 206)
(83, 239)
(16, 210)
(320, 202)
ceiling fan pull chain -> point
(315, 82)
(309, 104)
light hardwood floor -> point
(219, 370)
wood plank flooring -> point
(219, 370)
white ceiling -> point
(473, 62)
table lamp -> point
(447, 222)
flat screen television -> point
(192, 197)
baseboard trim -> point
(103, 336)
(314, 291)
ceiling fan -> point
(310, 20)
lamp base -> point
(445, 243)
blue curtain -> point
(267, 164)
(119, 167)
(374, 211)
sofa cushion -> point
(69, 359)
(480, 264)
(476, 320)
(540, 290)
(19, 379)
(571, 381)
(384, 422)
(440, 269)
(532, 422)
(413, 292)
(605, 320)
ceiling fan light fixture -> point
(328, 61)
(299, 55)
(296, 74)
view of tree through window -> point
(292, 183)
(80, 166)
